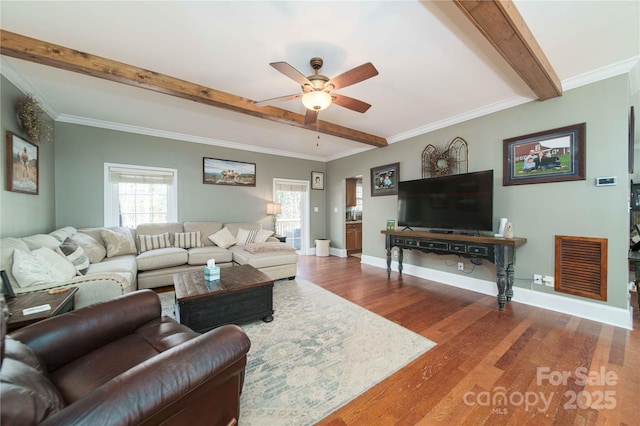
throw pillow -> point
(223, 238)
(119, 241)
(246, 236)
(262, 236)
(92, 248)
(152, 242)
(187, 240)
(75, 255)
(41, 266)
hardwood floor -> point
(482, 355)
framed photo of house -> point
(384, 179)
(226, 172)
(22, 165)
(317, 180)
(550, 156)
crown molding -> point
(180, 136)
(617, 68)
(25, 87)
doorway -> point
(293, 220)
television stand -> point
(499, 251)
(441, 231)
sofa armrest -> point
(61, 339)
(194, 380)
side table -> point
(59, 302)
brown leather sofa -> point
(121, 363)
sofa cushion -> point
(161, 258)
(124, 263)
(268, 247)
(187, 239)
(76, 255)
(200, 255)
(41, 240)
(118, 241)
(28, 396)
(92, 248)
(205, 228)
(261, 260)
(41, 266)
(152, 242)
(223, 238)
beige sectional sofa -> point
(116, 261)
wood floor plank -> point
(478, 350)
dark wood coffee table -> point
(60, 303)
(241, 294)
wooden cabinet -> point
(350, 198)
(353, 237)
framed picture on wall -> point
(226, 172)
(22, 165)
(550, 156)
(317, 180)
(384, 179)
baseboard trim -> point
(592, 311)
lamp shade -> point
(316, 100)
(274, 208)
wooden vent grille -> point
(581, 266)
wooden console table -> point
(499, 251)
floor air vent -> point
(581, 266)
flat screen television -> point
(462, 202)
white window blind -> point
(139, 194)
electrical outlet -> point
(548, 281)
(537, 279)
(460, 266)
(395, 254)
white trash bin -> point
(322, 247)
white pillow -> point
(262, 236)
(41, 266)
(223, 238)
(246, 236)
(91, 247)
(118, 241)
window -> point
(139, 194)
(359, 195)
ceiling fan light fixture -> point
(316, 100)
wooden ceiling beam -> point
(501, 23)
(42, 52)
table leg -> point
(501, 276)
(400, 257)
(388, 262)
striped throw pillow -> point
(187, 240)
(152, 242)
(76, 255)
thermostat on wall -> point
(606, 181)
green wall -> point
(24, 214)
(82, 151)
(538, 212)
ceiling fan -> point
(317, 89)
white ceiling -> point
(435, 68)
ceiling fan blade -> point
(291, 72)
(278, 99)
(310, 117)
(354, 76)
(351, 103)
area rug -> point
(319, 352)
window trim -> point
(111, 192)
